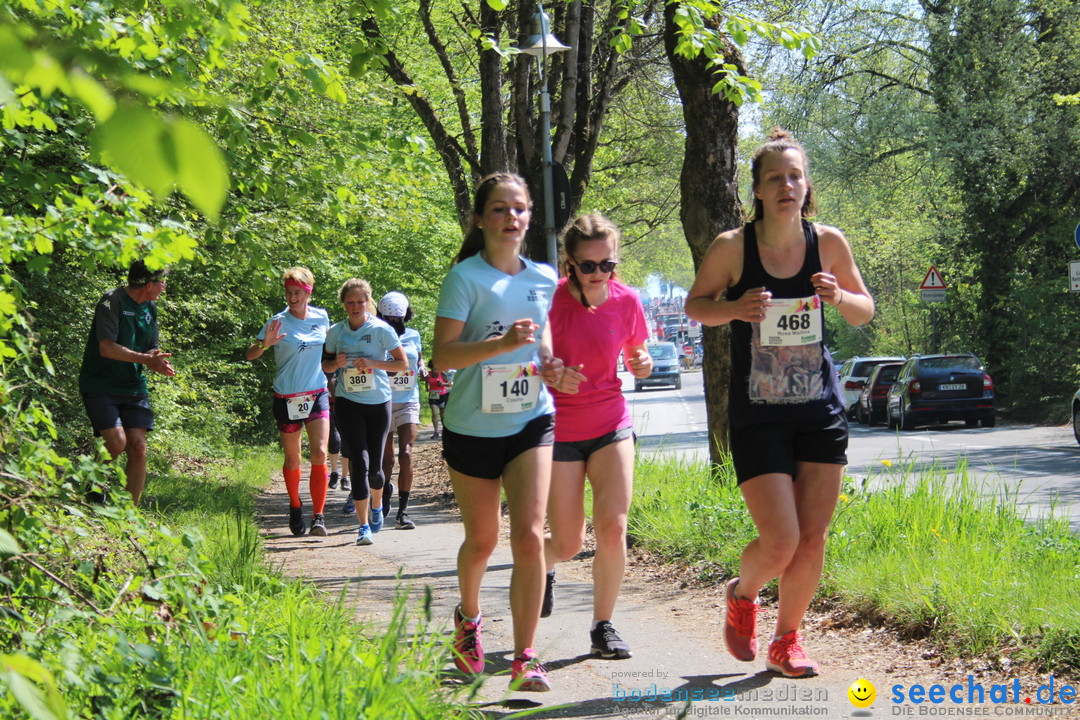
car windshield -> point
(662, 352)
(946, 363)
(863, 370)
(888, 373)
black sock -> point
(403, 502)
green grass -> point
(276, 648)
(930, 555)
(190, 621)
(685, 513)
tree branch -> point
(451, 78)
(446, 144)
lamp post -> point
(540, 44)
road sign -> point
(933, 295)
(1076, 235)
(933, 280)
(1074, 276)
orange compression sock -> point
(317, 485)
(292, 486)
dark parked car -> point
(871, 407)
(665, 367)
(939, 388)
(853, 375)
(1076, 415)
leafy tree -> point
(463, 42)
(995, 68)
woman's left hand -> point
(571, 379)
(362, 363)
(827, 288)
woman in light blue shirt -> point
(491, 324)
(361, 350)
(301, 400)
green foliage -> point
(699, 33)
(120, 615)
(88, 53)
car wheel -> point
(637, 387)
(906, 421)
(890, 421)
(1076, 423)
(971, 422)
(991, 420)
(678, 383)
(870, 417)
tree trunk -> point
(710, 203)
(493, 152)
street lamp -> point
(540, 44)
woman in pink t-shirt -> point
(593, 318)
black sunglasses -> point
(589, 267)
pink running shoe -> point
(740, 629)
(527, 674)
(468, 650)
(787, 657)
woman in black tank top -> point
(771, 280)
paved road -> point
(675, 631)
(1040, 464)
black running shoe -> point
(387, 493)
(318, 525)
(296, 521)
(404, 523)
(333, 481)
(607, 644)
(549, 595)
(346, 486)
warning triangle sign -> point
(933, 280)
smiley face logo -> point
(862, 693)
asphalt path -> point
(679, 663)
(679, 666)
(1040, 466)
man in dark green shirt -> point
(123, 341)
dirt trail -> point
(673, 623)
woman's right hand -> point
(522, 332)
(273, 334)
(753, 304)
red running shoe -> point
(787, 657)
(468, 650)
(740, 629)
